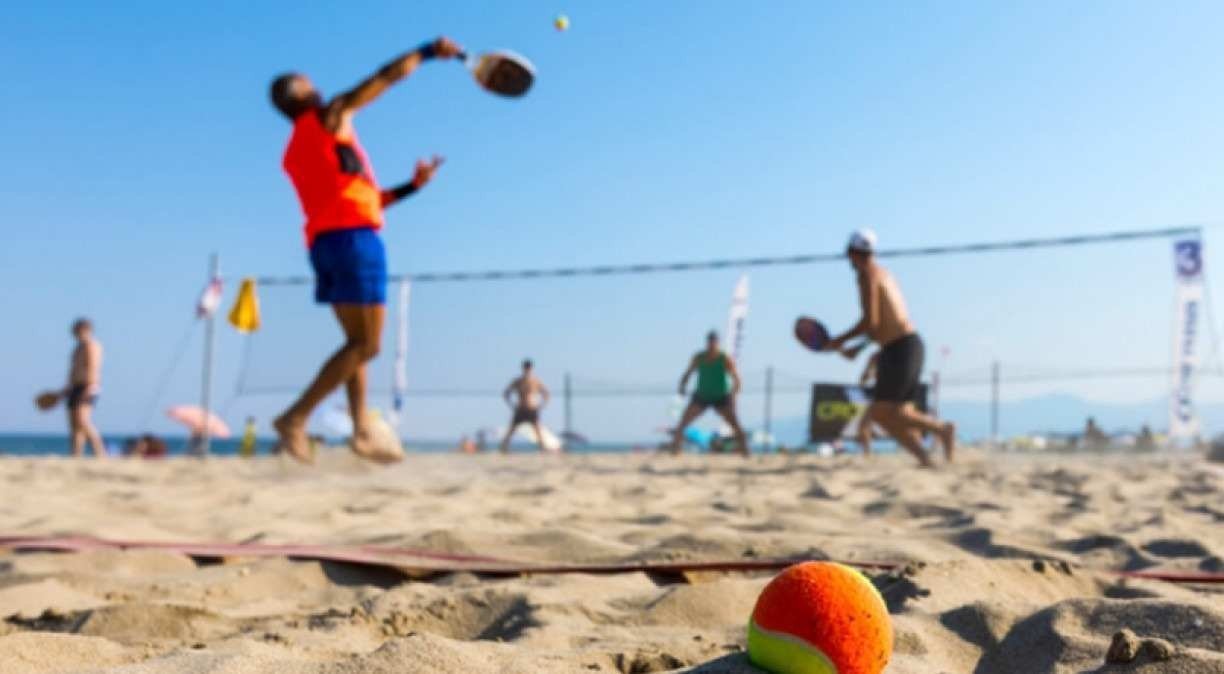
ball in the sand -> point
(561, 23)
(820, 618)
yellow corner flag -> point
(245, 314)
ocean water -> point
(22, 444)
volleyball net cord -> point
(751, 262)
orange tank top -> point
(333, 178)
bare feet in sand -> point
(947, 438)
(293, 439)
(364, 445)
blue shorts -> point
(350, 267)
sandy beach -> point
(1010, 572)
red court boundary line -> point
(427, 560)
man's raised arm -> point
(344, 105)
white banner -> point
(399, 385)
(736, 318)
(1188, 320)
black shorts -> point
(898, 370)
(77, 397)
(525, 415)
(704, 404)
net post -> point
(214, 272)
(994, 404)
(769, 380)
(569, 412)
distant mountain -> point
(1053, 413)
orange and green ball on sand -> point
(820, 618)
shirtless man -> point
(343, 205)
(713, 367)
(886, 321)
(81, 393)
(526, 395)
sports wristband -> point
(428, 51)
(407, 189)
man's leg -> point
(76, 435)
(944, 430)
(690, 415)
(355, 390)
(888, 416)
(362, 325)
(864, 434)
(505, 445)
(88, 431)
(535, 423)
(727, 412)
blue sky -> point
(140, 139)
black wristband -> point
(405, 190)
(428, 51)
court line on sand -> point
(413, 560)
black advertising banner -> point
(836, 409)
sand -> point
(987, 592)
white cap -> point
(862, 241)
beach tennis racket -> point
(47, 400)
(811, 333)
(502, 72)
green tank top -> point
(712, 381)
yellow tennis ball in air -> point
(561, 23)
(820, 618)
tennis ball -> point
(561, 22)
(820, 618)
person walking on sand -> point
(886, 321)
(526, 395)
(84, 385)
(718, 383)
(343, 206)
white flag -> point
(736, 318)
(399, 386)
(209, 300)
(1187, 321)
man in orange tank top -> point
(343, 206)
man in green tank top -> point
(718, 382)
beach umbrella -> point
(192, 417)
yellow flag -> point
(245, 314)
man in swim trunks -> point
(714, 368)
(343, 205)
(886, 321)
(84, 385)
(526, 395)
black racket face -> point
(811, 333)
(505, 74)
